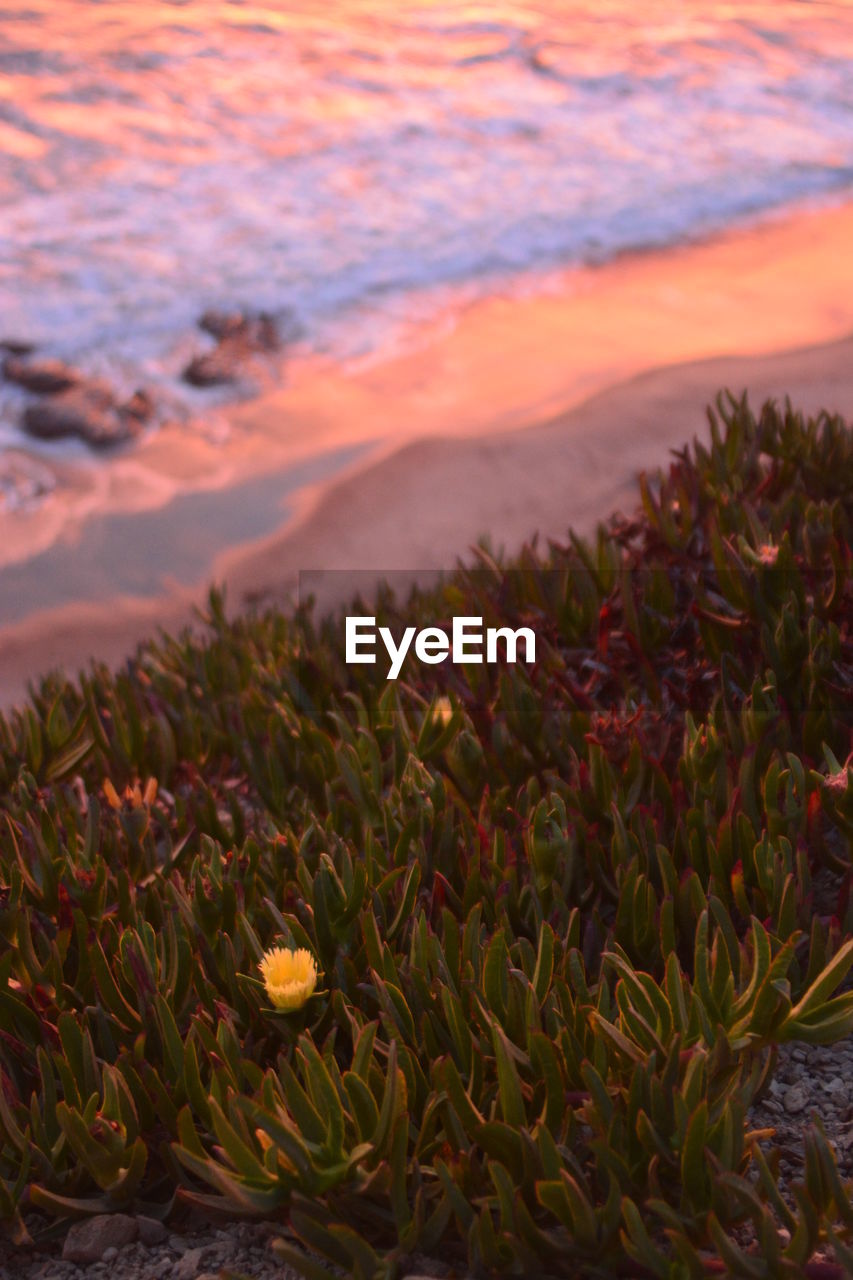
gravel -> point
(808, 1082)
(200, 1253)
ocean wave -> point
(333, 163)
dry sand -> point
(614, 367)
(423, 505)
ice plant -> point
(567, 927)
(290, 976)
(443, 711)
(133, 796)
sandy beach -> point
(529, 413)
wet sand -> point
(530, 413)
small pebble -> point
(89, 1238)
(187, 1267)
(151, 1230)
(796, 1099)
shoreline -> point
(531, 413)
(519, 479)
(572, 470)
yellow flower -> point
(289, 976)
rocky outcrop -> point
(90, 412)
(258, 330)
(239, 336)
(45, 377)
(140, 406)
(74, 405)
(218, 367)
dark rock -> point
(88, 1239)
(151, 1230)
(239, 335)
(217, 367)
(47, 377)
(263, 334)
(89, 412)
(223, 324)
(796, 1099)
(140, 406)
(258, 330)
(17, 346)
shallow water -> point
(156, 556)
(362, 163)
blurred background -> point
(204, 202)
(349, 167)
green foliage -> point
(561, 921)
